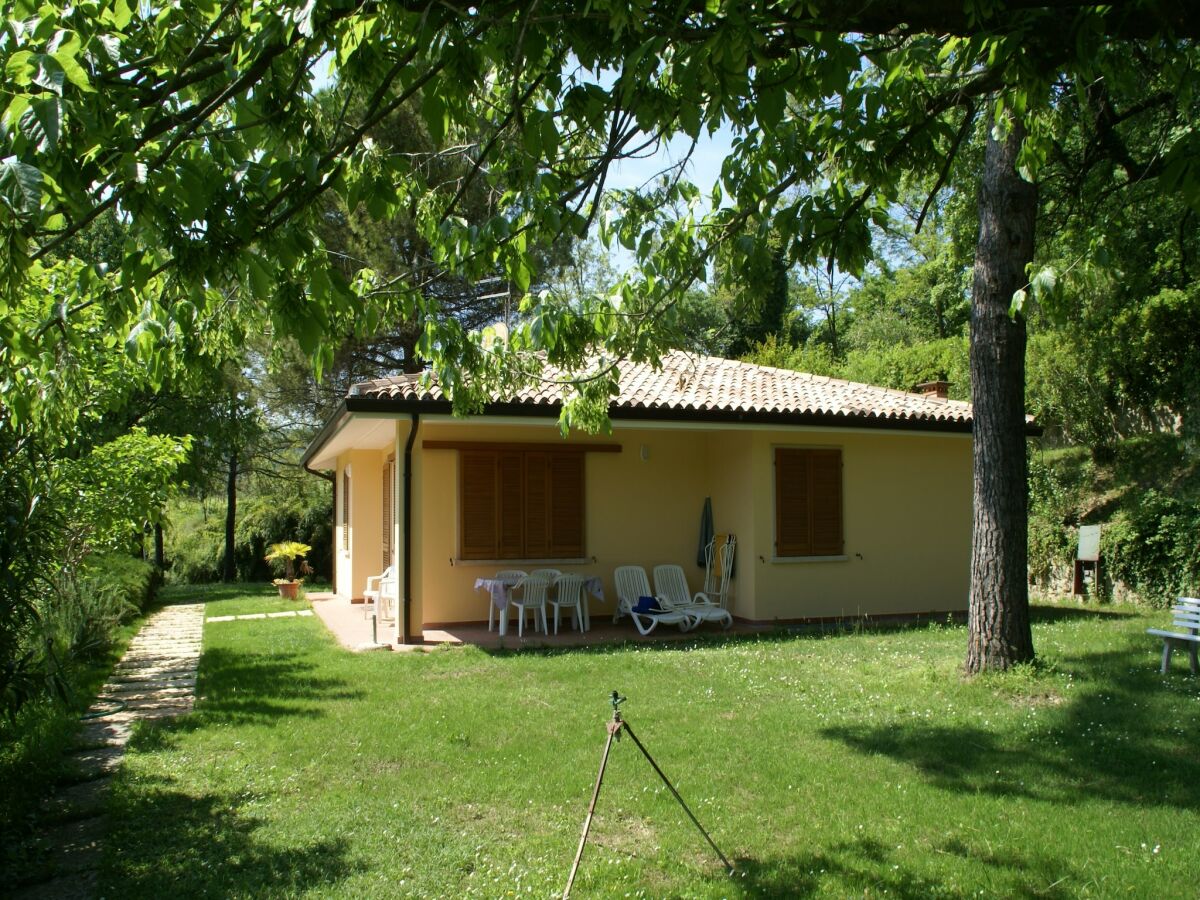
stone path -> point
(156, 678)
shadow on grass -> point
(238, 688)
(207, 593)
(866, 867)
(1123, 737)
(711, 637)
(1049, 613)
(172, 844)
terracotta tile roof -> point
(704, 384)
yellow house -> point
(847, 500)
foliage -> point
(284, 556)
(87, 607)
(902, 367)
(1153, 547)
(815, 358)
(271, 509)
(1146, 497)
(60, 512)
(223, 174)
(34, 739)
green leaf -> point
(74, 72)
(436, 116)
(40, 123)
(20, 67)
(1017, 306)
(20, 187)
(48, 73)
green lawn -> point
(860, 764)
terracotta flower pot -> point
(288, 589)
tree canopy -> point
(196, 125)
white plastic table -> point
(500, 590)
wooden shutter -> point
(825, 479)
(566, 505)
(793, 535)
(389, 518)
(510, 516)
(537, 506)
(808, 502)
(345, 510)
(520, 504)
(478, 525)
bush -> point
(1145, 497)
(82, 613)
(1153, 547)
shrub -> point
(81, 614)
(1153, 547)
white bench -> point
(1187, 616)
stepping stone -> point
(77, 886)
(75, 846)
(119, 688)
(101, 732)
(83, 800)
(283, 615)
(90, 764)
(220, 619)
(253, 616)
(150, 691)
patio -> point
(346, 622)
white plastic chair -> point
(718, 571)
(568, 592)
(375, 598)
(632, 585)
(533, 597)
(551, 576)
(670, 584)
(516, 576)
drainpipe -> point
(406, 593)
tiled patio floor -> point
(347, 623)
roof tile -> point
(703, 383)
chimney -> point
(939, 389)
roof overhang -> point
(348, 430)
(364, 422)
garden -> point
(825, 764)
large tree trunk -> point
(230, 573)
(999, 633)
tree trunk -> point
(160, 558)
(998, 620)
(231, 518)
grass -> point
(860, 764)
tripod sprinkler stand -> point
(615, 726)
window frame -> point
(521, 455)
(818, 549)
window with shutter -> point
(517, 503)
(389, 518)
(346, 509)
(808, 502)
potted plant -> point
(284, 555)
